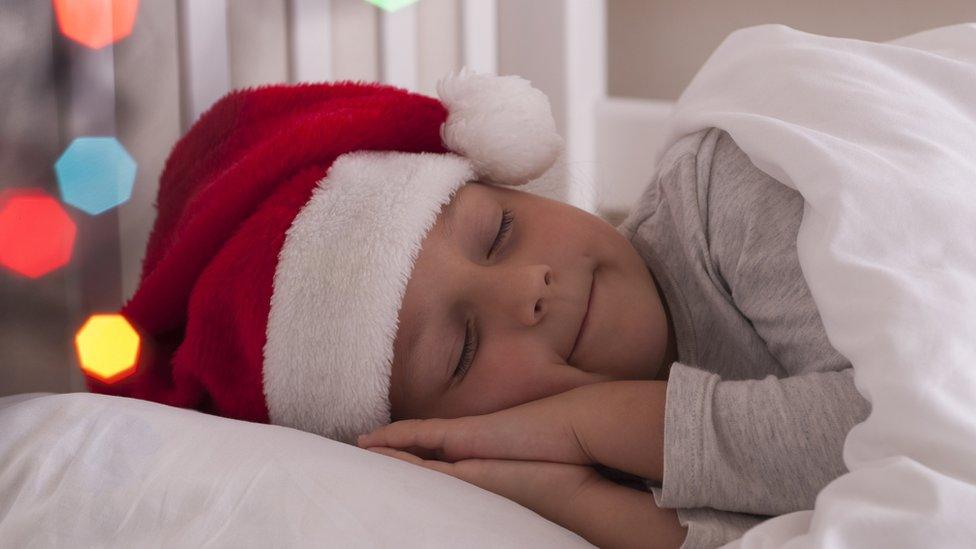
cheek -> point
(552, 379)
(509, 377)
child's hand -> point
(546, 488)
(541, 430)
(619, 424)
(574, 496)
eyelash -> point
(470, 335)
(467, 352)
(508, 217)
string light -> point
(95, 174)
(391, 5)
(36, 234)
(96, 23)
(108, 347)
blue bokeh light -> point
(95, 174)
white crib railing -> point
(149, 87)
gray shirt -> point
(759, 402)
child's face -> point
(523, 306)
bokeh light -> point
(108, 347)
(96, 23)
(391, 5)
(36, 234)
(95, 174)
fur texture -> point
(501, 124)
(339, 284)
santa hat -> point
(289, 220)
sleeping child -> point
(353, 260)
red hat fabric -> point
(289, 218)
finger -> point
(405, 434)
(422, 433)
(425, 453)
(422, 453)
(439, 466)
(499, 476)
(398, 454)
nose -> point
(524, 293)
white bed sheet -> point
(87, 470)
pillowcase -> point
(83, 470)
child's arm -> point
(554, 429)
(619, 424)
(762, 446)
(573, 496)
(625, 430)
(752, 446)
(610, 515)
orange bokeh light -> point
(96, 23)
(108, 347)
(36, 234)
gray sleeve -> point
(709, 528)
(764, 446)
(753, 221)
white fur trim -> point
(501, 124)
(339, 284)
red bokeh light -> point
(96, 23)
(36, 234)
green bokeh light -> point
(391, 5)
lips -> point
(586, 316)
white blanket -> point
(880, 139)
(87, 470)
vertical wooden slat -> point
(355, 44)
(479, 35)
(205, 63)
(438, 42)
(35, 331)
(90, 108)
(258, 44)
(537, 27)
(566, 38)
(310, 40)
(585, 50)
(398, 47)
(629, 135)
(147, 89)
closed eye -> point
(467, 350)
(508, 217)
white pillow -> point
(82, 470)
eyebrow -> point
(450, 214)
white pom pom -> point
(501, 124)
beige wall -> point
(656, 46)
